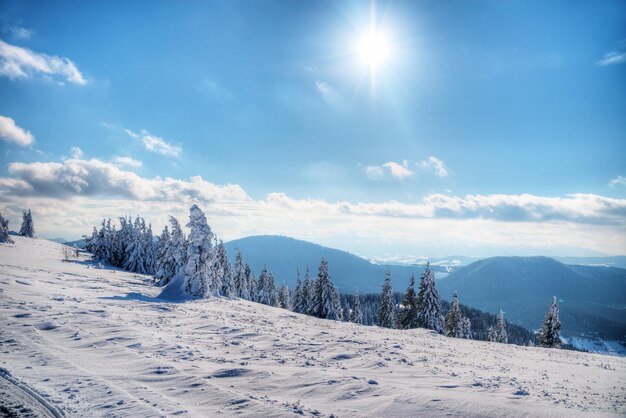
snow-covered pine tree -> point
(265, 293)
(228, 288)
(4, 230)
(28, 228)
(356, 315)
(199, 252)
(159, 252)
(491, 334)
(429, 303)
(454, 318)
(550, 333)
(387, 308)
(241, 278)
(467, 328)
(175, 254)
(500, 335)
(307, 293)
(252, 283)
(135, 261)
(108, 243)
(297, 294)
(282, 300)
(101, 245)
(149, 247)
(91, 241)
(407, 314)
(326, 302)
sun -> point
(373, 49)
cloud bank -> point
(72, 195)
(21, 63)
(10, 132)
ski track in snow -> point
(97, 342)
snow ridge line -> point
(6, 375)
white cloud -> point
(21, 33)
(618, 181)
(10, 132)
(391, 168)
(76, 153)
(126, 161)
(611, 58)
(18, 62)
(72, 195)
(436, 165)
(155, 144)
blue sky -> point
(494, 119)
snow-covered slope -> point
(97, 342)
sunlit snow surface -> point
(97, 342)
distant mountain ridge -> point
(592, 299)
(283, 255)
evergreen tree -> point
(101, 244)
(135, 250)
(199, 253)
(500, 335)
(149, 250)
(454, 318)
(266, 292)
(298, 305)
(91, 241)
(550, 333)
(467, 328)
(429, 303)
(228, 282)
(252, 283)
(174, 254)
(407, 315)
(491, 334)
(307, 293)
(386, 310)
(241, 278)
(159, 252)
(356, 315)
(283, 297)
(4, 231)
(326, 303)
(27, 229)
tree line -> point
(203, 263)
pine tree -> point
(228, 288)
(407, 314)
(159, 253)
(149, 248)
(91, 241)
(550, 333)
(283, 297)
(174, 255)
(491, 334)
(4, 231)
(454, 318)
(241, 278)
(135, 250)
(252, 283)
(27, 229)
(500, 335)
(467, 328)
(307, 293)
(298, 305)
(356, 315)
(326, 303)
(199, 253)
(386, 310)
(266, 292)
(429, 303)
(102, 244)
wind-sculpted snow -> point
(102, 342)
